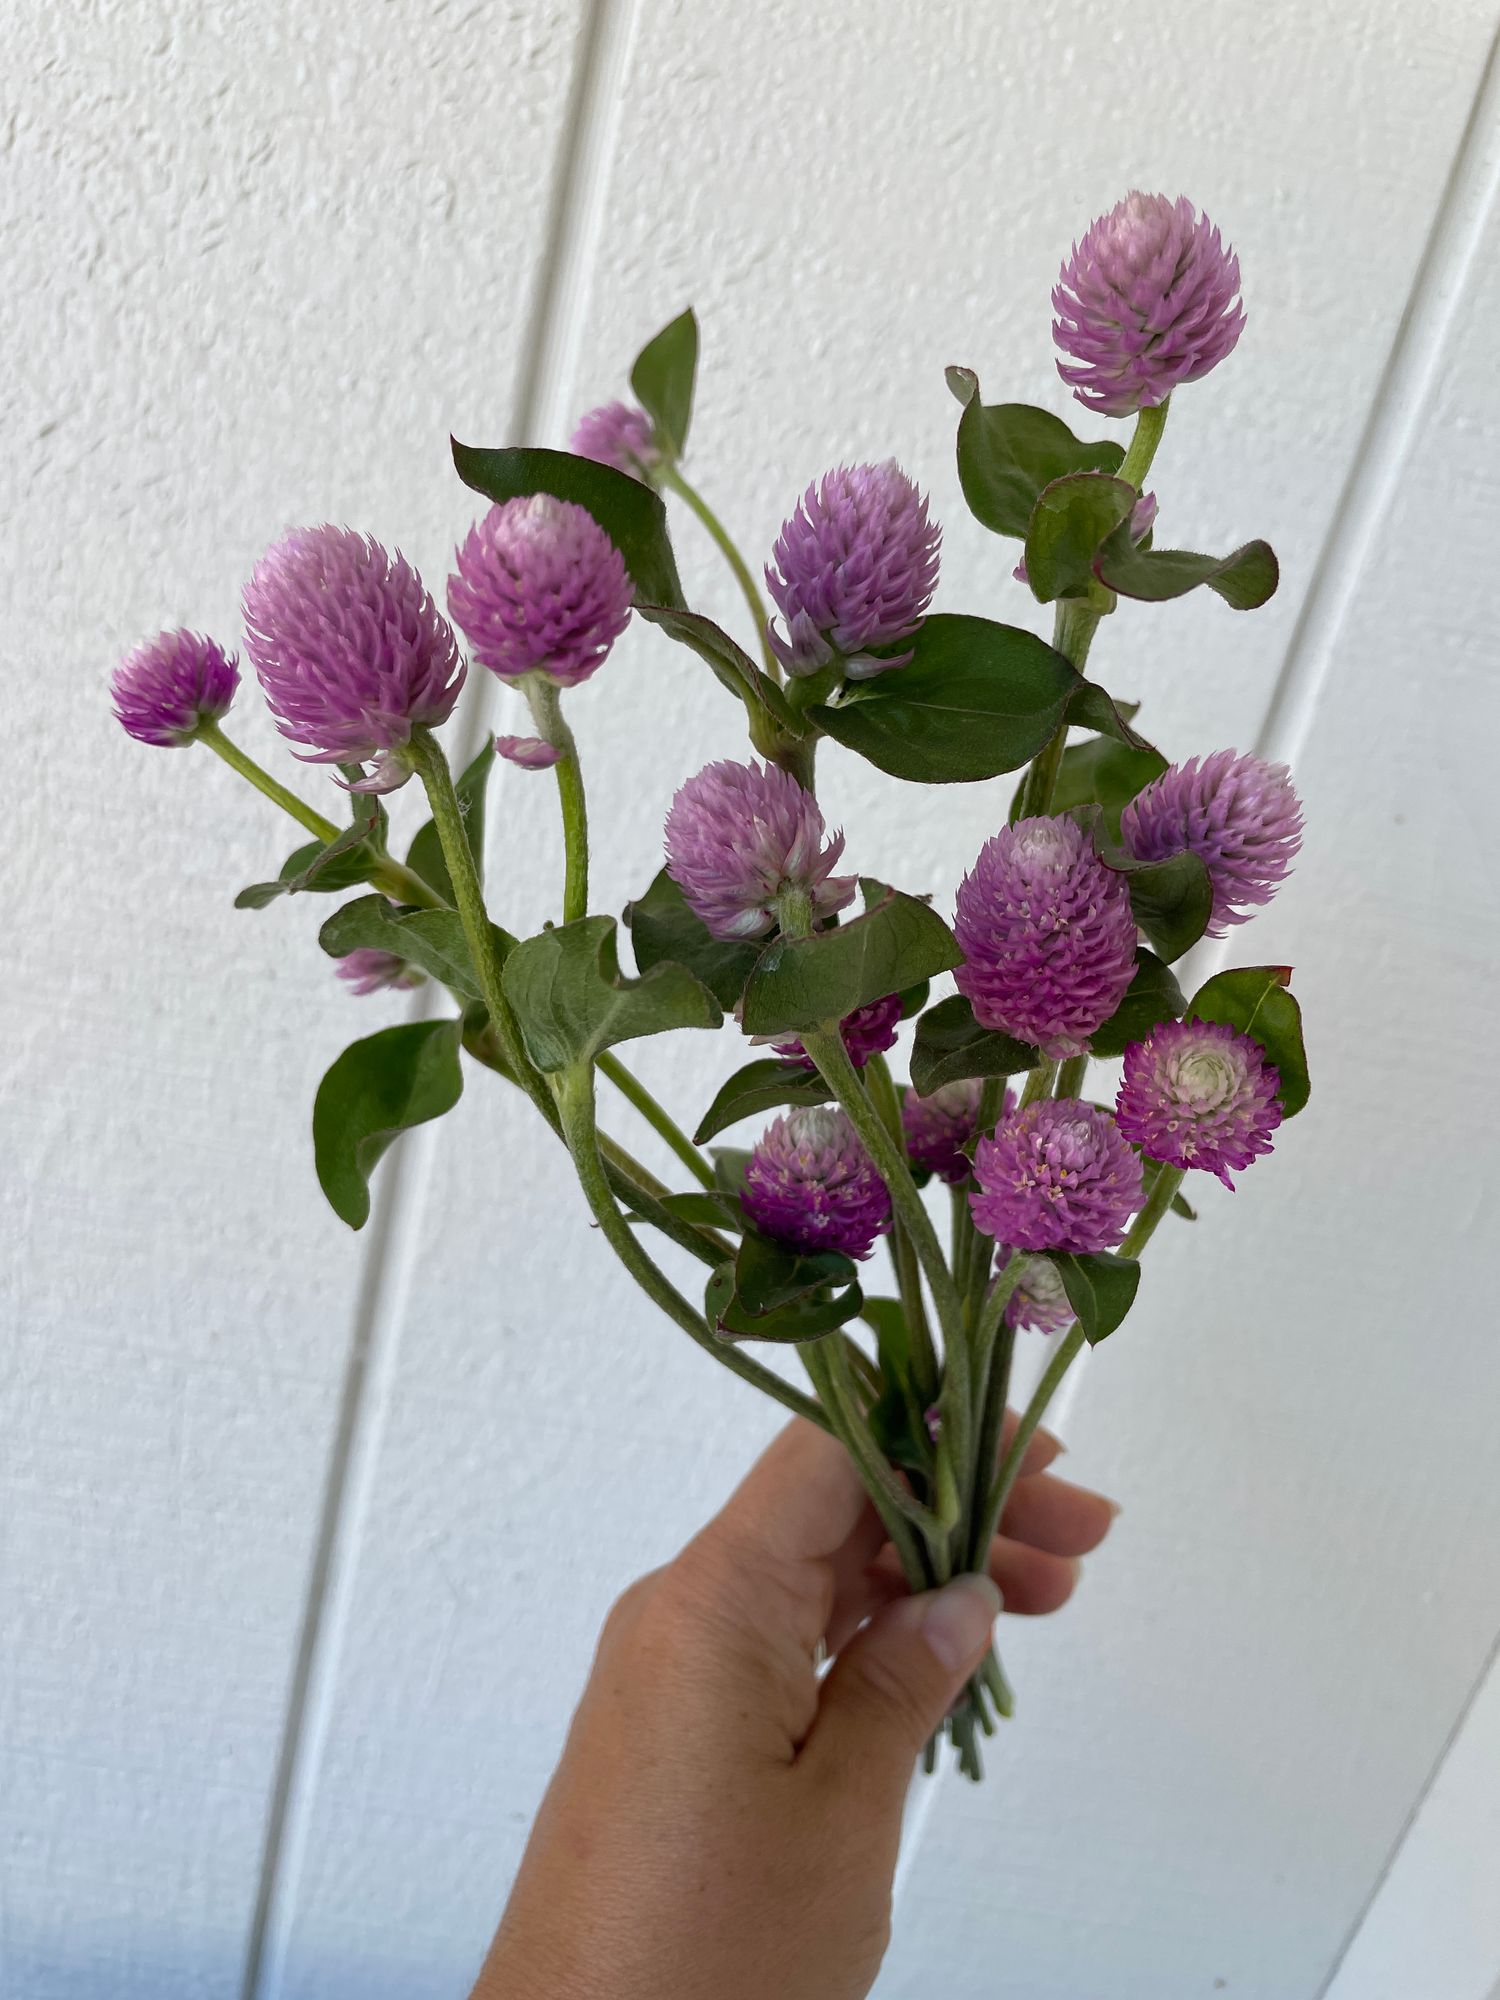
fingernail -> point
(959, 1618)
(1115, 1510)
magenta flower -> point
(939, 1127)
(1239, 813)
(540, 589)
(1148, 299)
(620, 435)
(167, 688)
(1056, 1176)
(811, 1184)
(1199, 1094)
(868, 1031)
(528, 753)
(1039, 1300)
(857, 564)
(738, 835)
(351, 651)
(371, 971)
(1047, 934)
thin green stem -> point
(1070, 1077)
(822, 1359)
(1038, 1084)
(544, 698)
(996, 1300)
(871, 1460)
(883, 1095)
(1073, 628)
(673, 479)
(657, 1117)
(1149, 425)
(402, 884)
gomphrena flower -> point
(1199, 1094)
(170, 685)
(1239, 813)
(868, 1031)
(856, 566)
(621, 435)
(810, 1183)
(939, 1127)
(540, 589)
(1148, 299)
(1056, 1176)
(738, 835)
(1047, 934)
(371, 971)
(351, 650)
(1040, 1300)
(528, 753)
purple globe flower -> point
(540, 589)
(868, 1031)
(1040, 1300)
(351, 650)
(371, 971)
(528, 753)
(1056, 1176)
(620, 435)
(939, 1127)
(1146, 300)
(1047, 934)
(1199, 1094)
(168, 687)
(738, 835)
(1239, 813)
(856, 566)
(811, 1184)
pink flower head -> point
(1056, 1176)
(1040, 1300)
(167, 688)
(1240, 814)
(856, 566)
(811, 1184)
(1199, 1094)
(1047, 934)
(540, 588)
(370, 971)
(351, 650)
(738, 835)
(620, 435)
(868, 1031)
(938, 1128)
(1147, 300)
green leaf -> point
(731, 666)
(663, 377)
(772, 1292)
(914, 998)
(1244, 579)
(629, 512)
(1094, 707)
(572, 1002)
(377, 1089)
(730, 1163)
(705, 1210)
(1101, 1289)
(801, 983)
(425, 855)
(1008, 452)
(1103, 773)
(897, 1417)
(664, 930)
(1183, 1207)
(1172, 899)
(975, 699)
(951, 1046)
(327, 867)
(1153, 996)
(432, 939)
(1070, 520)
(759, 1087)
(1254, 999)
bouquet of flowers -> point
(1109, 866)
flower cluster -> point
(1239, 814)
(1040, 1300)
(811, 1184)
(740, 837)
(1198, 1094)
(372, 971)
(540, 588)
(1057, 1175)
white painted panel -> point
(1196, 1791)
(255, 264)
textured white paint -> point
(265, 261)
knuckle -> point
(899, 1697)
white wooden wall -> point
(304, 1538)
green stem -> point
(1038, 1084)
(1070, 1077)
(996, 1300)
(883, 1095)
(672, 478)
(823, 1360)
(657, 1117)
(390, 877)
(1149, 425)
(544, 698)
(1073, 628)
(576, 1104)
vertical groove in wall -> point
(551, 342)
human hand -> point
(724, 1823)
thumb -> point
(893, 1684)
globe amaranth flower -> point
(1057, 1175)
(1040, 1299)
(528, 753)
(1199, 1094)
(738, 835)
(1148, 299)
(540, 588)
(167, 688)
(351, 651)
(621, 435)
(855, 567)
(868, 1031)
(938, 1128)
(811, 1184)
(1239, 813)
(371, 971)
(1047, 934)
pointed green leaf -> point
(1094, 707)
(432, 939)
(1254, 999)
(425, 855)
(1183, 1207)
(572, 1001)
(1103, 773)
(664, 930)
(790, 1301)
(1008, 452)
(377, 1089)
(705, 1210)
(1101, 1289)
(951, 1046)
(1071, 519)
(731, 666)
(757, 1088)
(1152, 997)
(1172, 899)
(1245, 579)
(327, 867)
(663, 377)
(800, 983)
